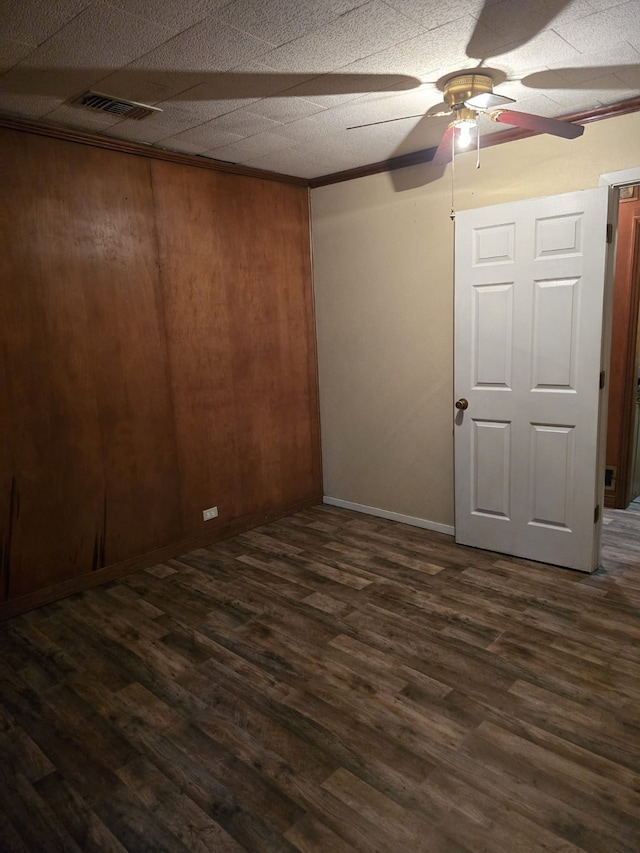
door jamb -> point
(614, 180)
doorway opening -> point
(622, 472)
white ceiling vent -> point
(108, 104)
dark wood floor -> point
(330, 682)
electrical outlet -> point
(208, 514)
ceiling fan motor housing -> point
(462, 87)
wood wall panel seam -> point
(117, 271)
(40, 598)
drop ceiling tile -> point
(206, 136)
(421, 53)
(513, 23)
(34, 21)
(349, 162)
(256, 78)
(84, 51)
(430, 14)
(181, 147)
(600, 5)
(522, 89)
(382, 109)
(370, 146)
(366, 30)
(285, 109)
(145, 86)
(245, 123)
(526, 58)
(11, 52)
(630, 77)
(202, 109)
(283, 22)
(428, 56)
(99, 39)
(327, 121)
(539, 104)
(172, 16)
(299, 163)
(605, 29)
(153, 129)
(303, 128)
(396, 104)
(589, 66)
(603, 90)
(207, 46)
(263, 143)
(28, 106)
(228, 153)
(338, 88)
(55, 84)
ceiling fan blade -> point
(443, 152)
(400, 118)
(488, 101)
(507, 19)
(384, 121)
(538, 123)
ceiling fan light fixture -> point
(465, 128)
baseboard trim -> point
(15, 606)
(392, 516)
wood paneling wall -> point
(623, 374)
(158, 357)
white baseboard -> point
(392, 516)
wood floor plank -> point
(82, 824)
(330, 682)
(189, 823)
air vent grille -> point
(108, 104)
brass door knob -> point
(462, 403)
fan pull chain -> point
(478, 145)
(452, 215)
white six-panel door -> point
(529, 311)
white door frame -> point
(613, 180)
(620, 179)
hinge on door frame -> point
(609, 232)
(596, 514)
(603, 377)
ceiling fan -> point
(468, 95)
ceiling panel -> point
(280, 23)
(276, 83)
(34, 21)
(175, 16)
(362, 32)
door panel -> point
(492, 469)
(493, 328)
(529, 311)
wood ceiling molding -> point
(415, 158)
(632, 105)
(113, 144)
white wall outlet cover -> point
(208, 514)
